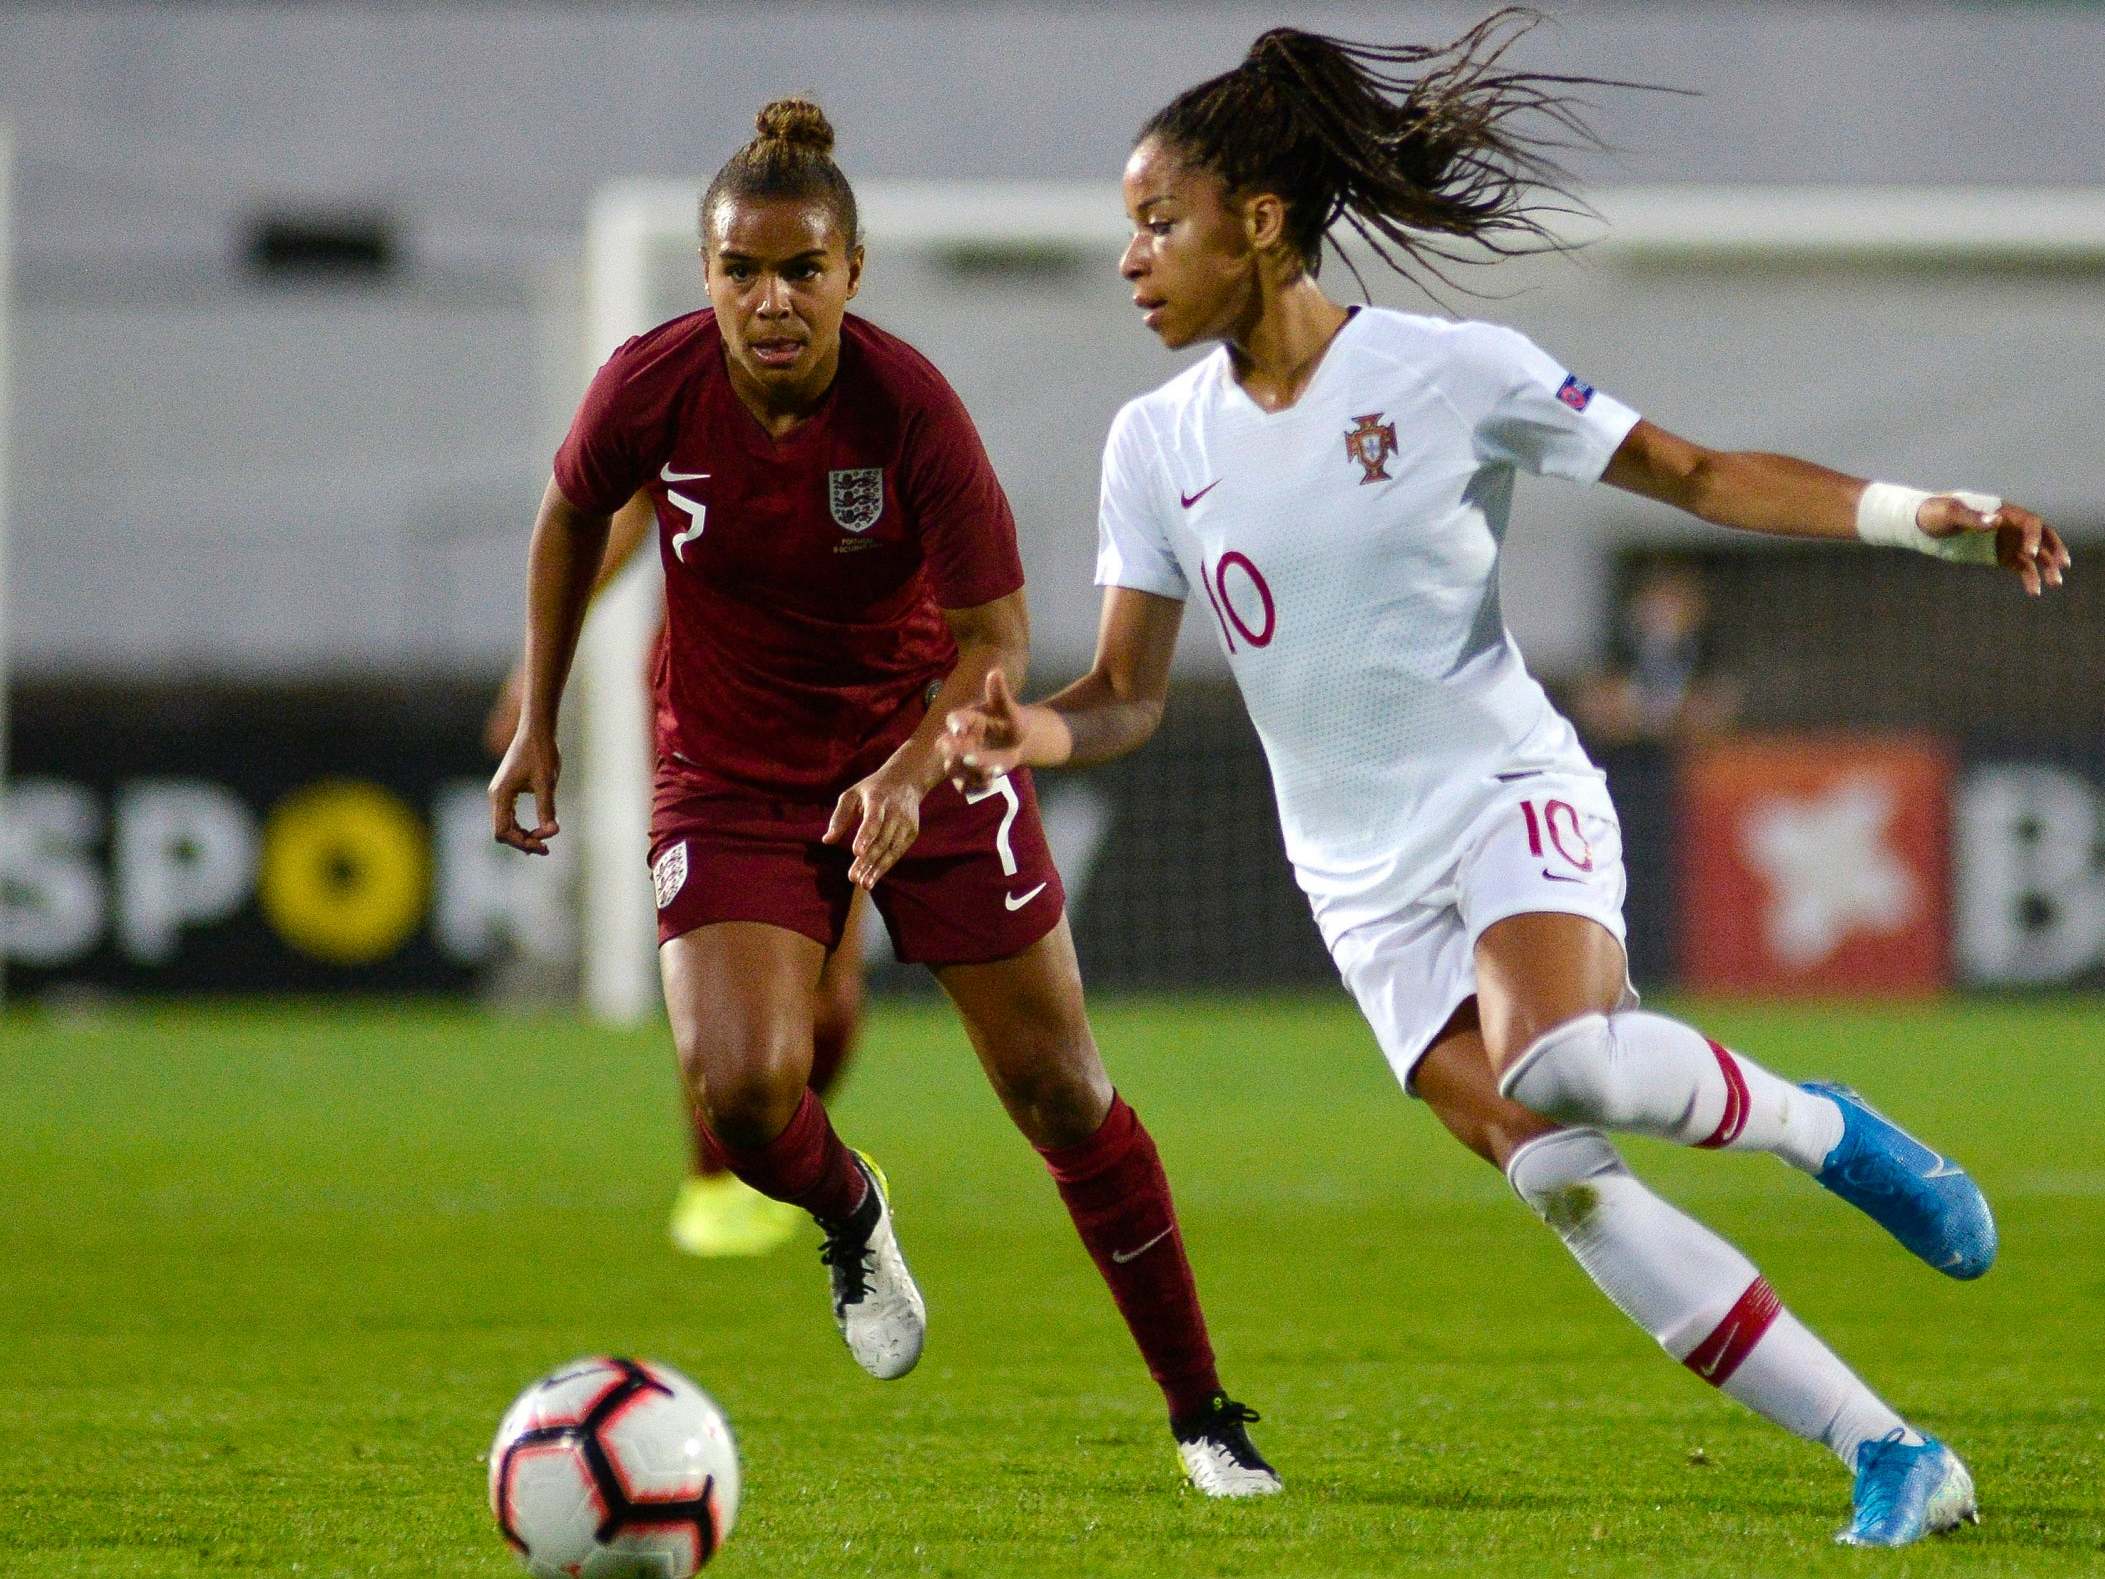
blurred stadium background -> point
(301, 302)
(301, 299)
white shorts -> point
(1547, 842)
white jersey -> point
(1346, 552)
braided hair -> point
(791, 155)
(1431, 153)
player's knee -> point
(1560, 1175)
(749, 1087)
(753, 1106)
(1565, 1073)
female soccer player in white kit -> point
(1334, 483)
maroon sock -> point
(829, 1052)
(805, 1165)
(1116, 1192)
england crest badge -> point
(669, 873)
(856, 497)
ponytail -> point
(1432, 154)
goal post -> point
(7, 295)
(1800, 319)
(617, 933)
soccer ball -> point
(614, 1469)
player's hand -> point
(530, 766)
(883, 814)
(985, 740)
(503, 722)
(2024, 545)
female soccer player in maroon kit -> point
(715, 1212)
(841, 571)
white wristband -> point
(1885, 515)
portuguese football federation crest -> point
(1371, 443)
(856, 497)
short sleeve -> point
(1132, 549)
(604, 458)
(1527, 410)
(968, 533)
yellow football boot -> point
(717, 1214)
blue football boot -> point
(1904, 1493)
(1924, 1200)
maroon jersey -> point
(805, 577)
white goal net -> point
(1818, 322)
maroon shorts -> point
(977, 885)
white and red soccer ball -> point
(614, 1469)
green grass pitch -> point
(268, 1276)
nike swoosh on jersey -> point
(1558, 877)
(1018, 901)
(1123, 1256)
(669, 475)
(1191, 499)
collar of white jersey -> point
(1230, 388)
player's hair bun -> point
(791, 157)
(798, 122)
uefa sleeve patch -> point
(669, 873)
(1575, 394)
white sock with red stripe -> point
(1794, 1379)
(1700, 1298)
(1649, 1075)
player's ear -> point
(854, 270)
(1264, 220)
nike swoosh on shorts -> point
(1018, 901)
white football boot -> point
(875, 1303)
(1218, 1454)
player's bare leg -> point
(1703, 1301)
(1027, 1023)
(715, 1212)
(740, 994)
(837, 1013)
(1551, 985)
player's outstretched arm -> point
(1110, 711)
(1788, 497)
(569, 546)
(632, 524)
